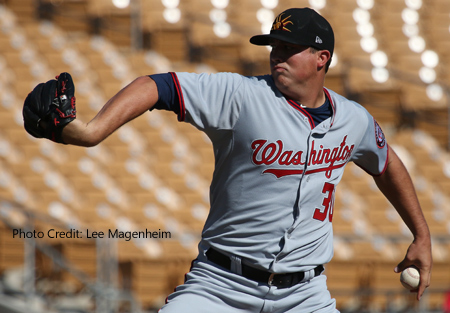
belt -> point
(272, 279)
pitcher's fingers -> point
(424, 282)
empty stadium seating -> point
(154, 173)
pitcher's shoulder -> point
(348, 110)
(339, 100)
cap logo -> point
(281, 24)
(318, 39)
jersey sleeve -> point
(372, 152)
(209, 101)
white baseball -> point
(410, 278)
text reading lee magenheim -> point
(76, 233)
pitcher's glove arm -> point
(50, 107)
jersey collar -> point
(333, 107)
(299, 108)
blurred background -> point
(392, 56)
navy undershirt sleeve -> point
(167, 94)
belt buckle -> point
(270, 281)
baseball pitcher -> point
(281, 143)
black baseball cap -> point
(301, 27)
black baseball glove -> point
(50, 107)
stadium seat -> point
(12, 249)
(129, 178)
(344, 280)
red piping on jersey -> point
(285, 172)
(298, 107)
(385, 165)
(182, 114)
(327, 94)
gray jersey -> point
(275, 176)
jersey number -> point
(328, 203)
